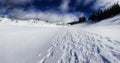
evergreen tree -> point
(81, 19)
(107, 13)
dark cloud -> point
(14, 1)
(82, 6)
(76, 7)
(45, 5)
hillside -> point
(28, 42)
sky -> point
(51, 10)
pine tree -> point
(107, 13)
(81, 19)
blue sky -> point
(76, 8)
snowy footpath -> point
(55, 44)
(77, 46)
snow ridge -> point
(77, 46)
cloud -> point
(64, 5)
(104, 3)
(17, 9)
(14, 1)
(86, 2)
(46, 16)
(51, 10)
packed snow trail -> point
(78, 46)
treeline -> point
(81, 19)
(107, 13)
(100, 15)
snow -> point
(112, 32)
(108, 27)
(111, 21)
(77, 46)
(21, 43)
(32, 41)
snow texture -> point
(77, 46)
(35, 41)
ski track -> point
(76, 46)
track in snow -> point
(76, 46)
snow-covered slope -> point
(108, 27)
(111, 21)
(28, 42)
